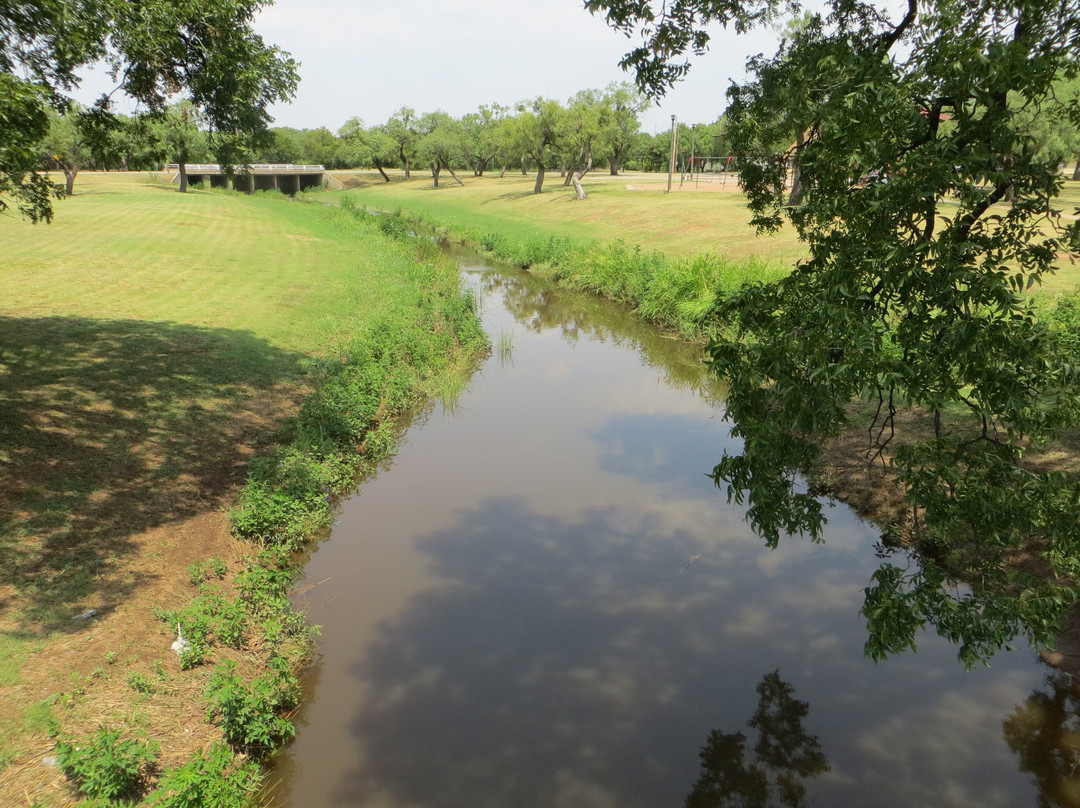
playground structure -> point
(697, 169)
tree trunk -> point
(435, 169)
(183, 176)
(379, 166)
(539, 178)
(614, 166)
(503, 172)
(1076, 171)
(523, 171)
(455, 176)
(795, 197)
(69, 180)
(580, 191)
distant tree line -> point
(593, 130)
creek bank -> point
(200, 723)
(682, 296)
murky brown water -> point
(545, 602)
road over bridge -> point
(287, 178)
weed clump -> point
(106, 767)
(212, 778)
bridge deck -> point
(204, 169)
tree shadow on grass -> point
(109, 428)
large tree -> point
(538, 128)
(909, 138)
(369, 146)
(626, 103)
(581, 132)
(181, 129)
(158, 50)
(65, 146)
(482, 136)
(402, 128)
(442, 143)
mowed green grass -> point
(151, 344)
(146, 338)
(698, 219)
(124, 248)
(693, 220)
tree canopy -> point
(158, 50)
(928, 208)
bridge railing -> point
(272, 168)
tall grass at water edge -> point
(676, 293)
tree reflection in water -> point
(776, 771)
(1044, 732)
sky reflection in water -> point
(513, 617)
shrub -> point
(107, 767)
(210, 779)
(249, 712)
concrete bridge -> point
(287, 178)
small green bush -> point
(210, 779)
(106, 767)
(249, 712)
(139, 683)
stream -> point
(543, 601)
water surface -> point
(544, 601)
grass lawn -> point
(150, 343)
(697, 219)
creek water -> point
(544, 601)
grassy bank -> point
(668, 256)
(158, 349)
(702, 218)
(624, 256)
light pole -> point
(674, 149)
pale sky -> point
(368, 58)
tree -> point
(65, 146)
(1051, 129)
(320, 146)
(626, 103)
(442, 142)
(370, 146)
(482, 136)
(580, 132)
(402, 129)
(912, 296)
(41, 47)
(182, 136)
(537, 131)
(774, 772)
(204, 50)
(284, 146)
